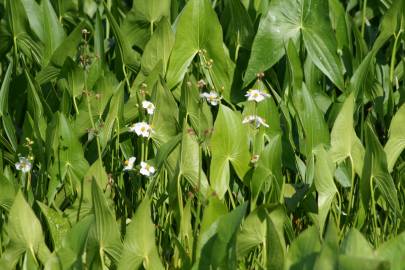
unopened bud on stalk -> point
(201, 84)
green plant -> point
(199, 134)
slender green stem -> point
(393, 53)
(142, 149)
(363, 17)
(351, 188)
(196, 230)
(179, 196)
(374, 213)
(93, 125)
(340, 208)
(75, 106)
(146, 148)
(84, 57)
(80, 200)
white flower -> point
(150, 108)
(256, 120)
(141, 129)
(129, 164)
(211, 97)
(256, 95)
(146, 169)
(23, 165)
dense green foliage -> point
(273, 139)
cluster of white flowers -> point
(129, 164)
(146, 169)
(257, 121)
(256, 95)
(141, 129)
(148, 106)
(212, 97)
(23, 165)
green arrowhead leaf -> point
(198, 28)
(288, 20)
(396, 142)
(228, 144)
(139, 245)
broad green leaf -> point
(389, 23)
(324, 184)
(139, 22)
(237, 25)
(18, 25)
(4, 111)
(288, 20)
(113, 116)
(127, 54)
(304, 250)
(99, 39)
(213, 211)
(219, 242)
(35, 18)
(354, 244)
(72, 247)
(105, 235)
(74, 77)
(198, 28)
(199, 116)
(139, 244)
(70, 153)
(340, 24)
(97, 173)
(57, 224)
(165, 118)
(295, 65)
(68, 48)
(158, 48)
(189, 163)
(375, 173)
(76, 239)
(228, 144)
(396, 141)
(7, 193)
(268, 172)
(153, 10)
(53, 31)
(253, 232)
(344, 141)
(328, 256)
(275, 243)
(25, 233)
(165, 150)
(312, 121)
(393, 251)
(36, 105)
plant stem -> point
(351, 188)
(393, 53)
(374, 213)
(363, 17)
